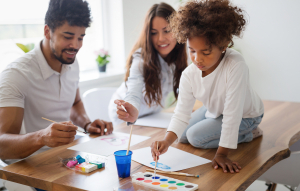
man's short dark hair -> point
(75, 12)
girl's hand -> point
(162, 148)
(132, 113)
(224, 162)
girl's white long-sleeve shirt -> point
(226, 91)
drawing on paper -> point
(115, 141)
(160, 165)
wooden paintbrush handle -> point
(167, 172)
(175, 173)
(129, 141)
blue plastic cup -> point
(123, 162)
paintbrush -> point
(175, 173)
(56, 122)
(129, 140)
(123, 108)
(155, 161)
(130, 132)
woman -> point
(153, 68)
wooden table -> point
(281, 126)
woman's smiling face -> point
(205, 57)
(162, 39)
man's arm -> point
(13, 145)
(79, 117)
(16, 146)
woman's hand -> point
(132, 113)
(223, 161)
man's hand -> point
(132, 113)
(221, 160)
(99, 126)
(58, 134)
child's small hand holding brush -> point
(160, 147)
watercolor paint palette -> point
(162, 182)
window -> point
(24, 24)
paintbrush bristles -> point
(197, 176)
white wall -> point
(270, 46)
(114, 32)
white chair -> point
(287, 171)
(96, 102)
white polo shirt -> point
(30, 83)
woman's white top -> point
(134, 93)
(226, 91)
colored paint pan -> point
(162, 182)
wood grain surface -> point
(281, 126)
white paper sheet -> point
(173, 160)
(108, 144)
(161, 120)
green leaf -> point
(23, 47)
(102, 61)
(26, 48)
(30, 46)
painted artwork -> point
(173, 160)
(116, 141)
(160, 165)
(106, 145)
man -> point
(44, 83)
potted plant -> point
(102, 59)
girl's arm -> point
(236, 87)
(184, 107)
(162, 145)
(237, 82)
(222, 160)
(180, 119)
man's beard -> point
(60, 58)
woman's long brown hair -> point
(151, 64)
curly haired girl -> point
(219, 78)
(154, 67)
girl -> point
(154, 68)
(219, 78)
